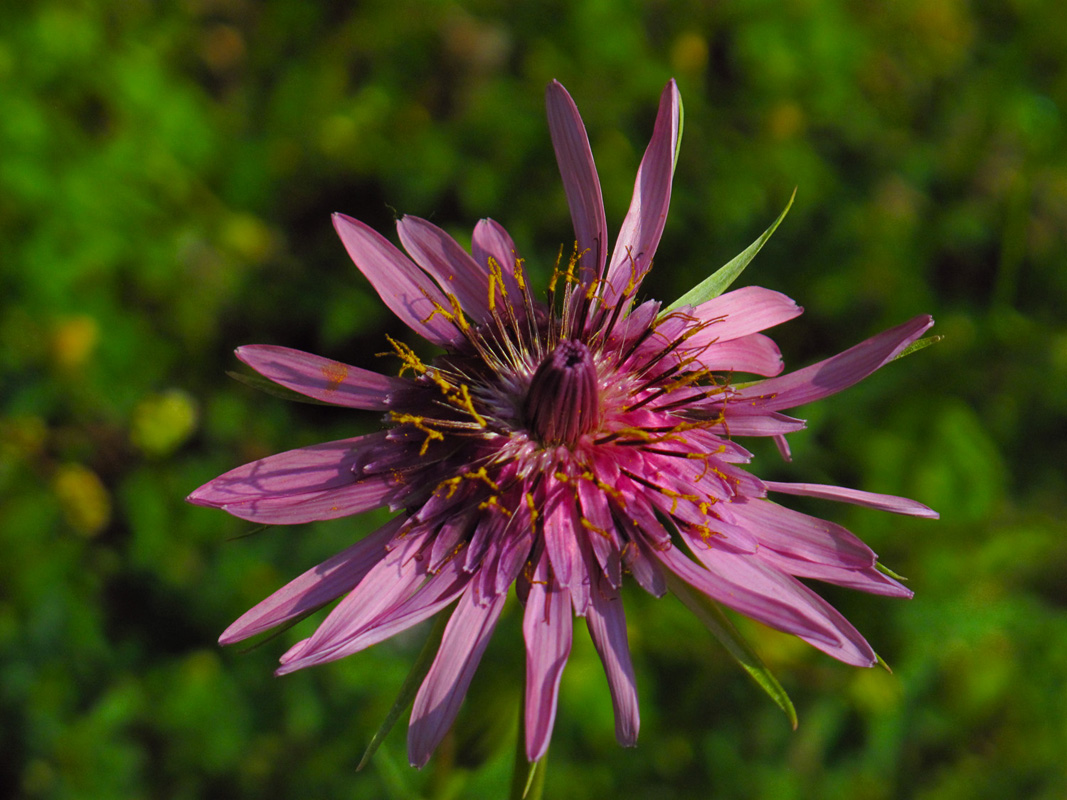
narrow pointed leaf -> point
(721, 279)
(407, 691)
(921, 344)
(709, 613)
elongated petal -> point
(765, 594)
(580, 181)
(440, 591)
(320, 584)
(386, 585)
(756, 354)
(834, 374)
(492, 241)
(643, 226)
(883, 502)
(405, 288)
(741, 312)
(869, 579)
(546, 628)
(321, 378)
(292, 509)
(561, 531)
(607, 628)
(441, 693)
(454, 270)
(766, 424)
(800, 536)
(317, 468)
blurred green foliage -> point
(167, 171)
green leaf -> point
(408, 690)
(916, 346)
(711, 614)
(264, 385)
(720, 281)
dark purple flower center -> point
(563, 402)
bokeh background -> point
(167, 171)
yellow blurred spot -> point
(689, 53)
(162, 422)
(73, 340)
(785, 121)
(248, 237)
(85, 501)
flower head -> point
(560, 445)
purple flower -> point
(556, 446)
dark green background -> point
(167, 171)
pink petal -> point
(834, 374)
(643, 226)
(561, 531)
(449, 264)
(800, 536)
(607, 628)
(491, 241)
(869, 579)
(749, 586)
(386, 585)
(580, 181)
(403, 287)
(441, 693)
(319, 585)
(603, 536)
(438, 592)
(292, 509)
(317, 468)
(883, 502)
(739, 313)
(546, 627)
(765, 424)
(321, 378)
(755, 353)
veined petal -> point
(291, 509)
(319, 585)
(405, 288)
(800, 536)
(441, 694)
(869, 579)
(321, 378)
(386, 585)
(643, 226)
(738, 313)
(607, 628)
(580, 180)
(317, 468)
(449, 264)
(834, 374)
(546, 628)
(756, 354)
(492, 241)
(440, 591)
(561, 532)
(883, 502)
(759, 591)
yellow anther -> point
(589, 526)
(408, 359)
(494, 502)
(464, 399)
(419, 424)
(481, 475)
(533, 508)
